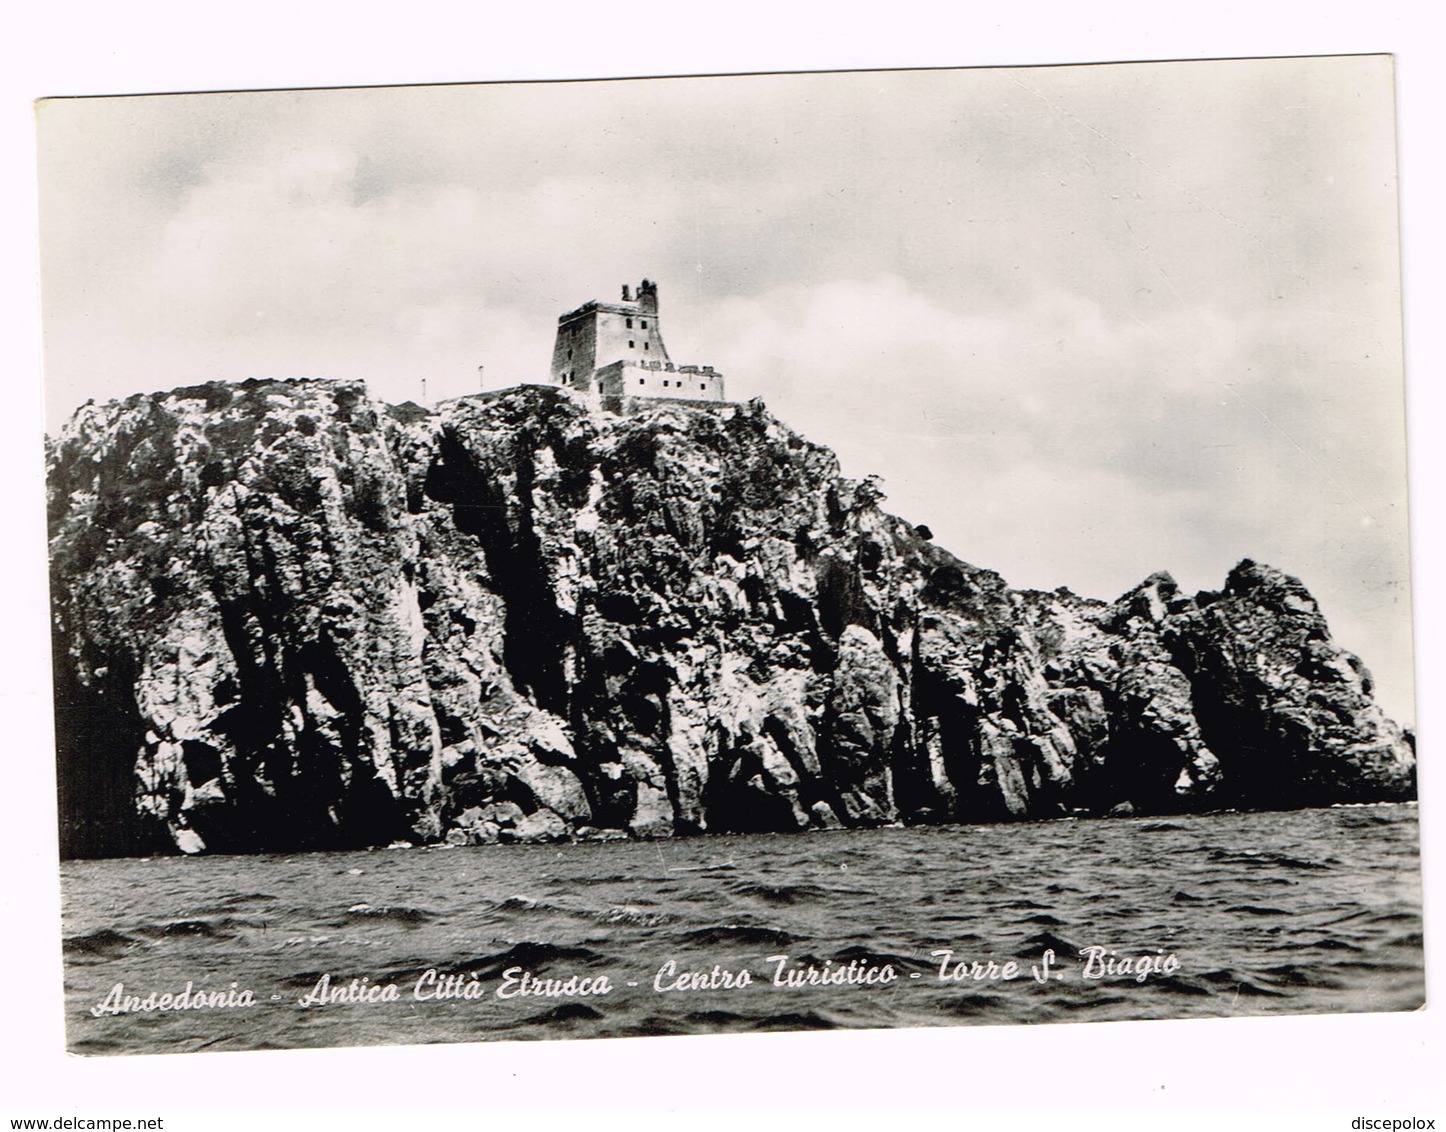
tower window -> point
(665, 383)
(642, 381)
(630, 324)
(645, 345)
(703, 387)
(630, 343)
(645, 324)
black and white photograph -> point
(910, 551)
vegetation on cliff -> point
(287, 617)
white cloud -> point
(1059, 447)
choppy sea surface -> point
(1302, 912)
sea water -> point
(1073, 920)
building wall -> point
(574, 353)
(628, 335)
(601, 333)
(634, 379)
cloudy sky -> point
(1086, 322)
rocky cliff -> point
(288, 617)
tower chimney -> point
(648, 296)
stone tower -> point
(616, 349)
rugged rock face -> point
(287, 617)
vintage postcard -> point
(708, 555)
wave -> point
(797, 1020)
(1325, 943)
(1047, 939)
(633, 917)
(626, 914)
(213, 927)
(1265, 858)
(968, 1004)
(528, 954)
(1296, 975)
(564, 1013)
(1229, 983)
(873, 956)
(244, 899)
(783, 893)
(1373, 916)
(107, 943)
(398, 913)
(736, 933)
(1363, 817)
(520, 903)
